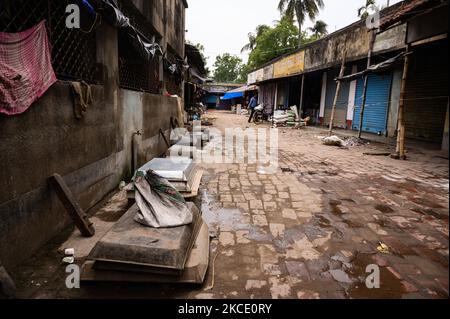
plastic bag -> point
(160, 204)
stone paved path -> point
(311, 229)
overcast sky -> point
(222, 25)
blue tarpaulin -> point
(232, 95)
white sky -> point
(222, 26)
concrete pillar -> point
(275, 107)
(351, 99)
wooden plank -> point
(71, 205)
(195, 185)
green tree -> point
(319, 29)
(363, 12)
(300, 9)
(253, 36)
(227, 68)
(273, 42)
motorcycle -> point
(261, 115)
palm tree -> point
(253, 36)
(319, 29)
(363, 12)
(300, 9)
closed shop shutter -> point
(427, 92)
(377, 103)
(340, 115)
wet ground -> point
(307, 231)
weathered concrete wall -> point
(48, 139)
(146, 113)
(92, 154)
(167, 18)
(175, 13)
(329, 51)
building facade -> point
(313, 70)
(120, 129)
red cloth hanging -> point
(26, 70)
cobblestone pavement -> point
(311, 229)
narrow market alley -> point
(308, 231)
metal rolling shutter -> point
(377, 103)
(342, 102)
(427, 93)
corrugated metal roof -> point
(407, 10)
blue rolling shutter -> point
(377, 103)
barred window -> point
(73, 50)
(172, 81)
(135, 72)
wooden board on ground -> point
(71, 205)
(194, 272)
(195, 185)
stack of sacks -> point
(280, 117)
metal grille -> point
(73, 50)
(136, 73)
(172, 81)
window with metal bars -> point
(135, 72)
(172, 81)
(73, 50)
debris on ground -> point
(68, 260)
(333, 141)
(377, 153)
(383, 248)
(69, 252)
(353, 141)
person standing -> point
(252, 105)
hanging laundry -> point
(82, 95)
(26, 70)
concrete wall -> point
(168, 19)
(92, 154)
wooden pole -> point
(301, 97)
(366, 80)
(84, 225)
(336, 96)
(400, 151)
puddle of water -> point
(390, 286)
(228, 218)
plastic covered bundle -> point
(160, 204)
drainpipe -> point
(134, 150)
